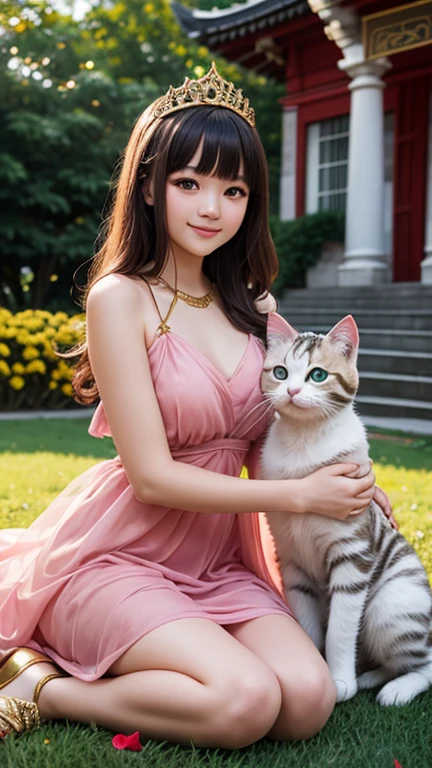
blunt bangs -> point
(227, 140)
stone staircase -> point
(395, 356)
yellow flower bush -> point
(65, 335)
(35, 324)
(29, 353)
(48, 352)
(23, 337)
(58, 318)
(8, 333)
(17, 382)
(32, 375)
(36, 366)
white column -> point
(426, 265)
(287, 206)
(365, 259)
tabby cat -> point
(356, 586)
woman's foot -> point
(23, 675)
(24, 685)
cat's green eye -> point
(280, 372)
(318, 375)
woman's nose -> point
(209, 207)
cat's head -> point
(310, 376)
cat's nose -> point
(293, 392)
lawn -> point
(37, 460)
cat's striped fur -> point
(356, 586)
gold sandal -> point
(15, 714)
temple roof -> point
(219, 26)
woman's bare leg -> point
(187, 681)
(308, 692)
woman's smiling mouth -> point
(205, 231)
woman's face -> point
(203, 212)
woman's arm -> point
(119, 360)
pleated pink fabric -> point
(99, 569)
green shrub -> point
(299, 244)
(31, 374)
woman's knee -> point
(317, 698)
(245, 708)
(309, 698)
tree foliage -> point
(299, 245)
(70, 92)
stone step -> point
(384, 301)
(395, 361)
(395, 291)
(406, 387)
(408, 425)
(393, 407)
(395, 356)
(414, 320)
(386, 339)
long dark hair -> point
(135, 234)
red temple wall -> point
(318, 88)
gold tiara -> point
(210, 89)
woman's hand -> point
(379, 496)
(383, 502)
(330, 492)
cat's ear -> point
(345, 337)
(279, 330)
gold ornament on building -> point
(211, 89)
(398, 29)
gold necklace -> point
(200, 302)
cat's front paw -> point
(345, 689)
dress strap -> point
(163, 326)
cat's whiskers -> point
(265, 396)
(328, 408)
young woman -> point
(146, 578)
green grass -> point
(39, 457)
(358, 734)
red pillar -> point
(410, 153)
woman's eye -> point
(280, 372)
(185, 184)
(318, 375)
(235, 192)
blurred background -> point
(73, 79)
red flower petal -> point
(121, 741)
(397, 764)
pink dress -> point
(98, 569)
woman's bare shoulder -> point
(119, 289)
(116, 283)
(117, 293)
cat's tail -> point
(403, 689)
